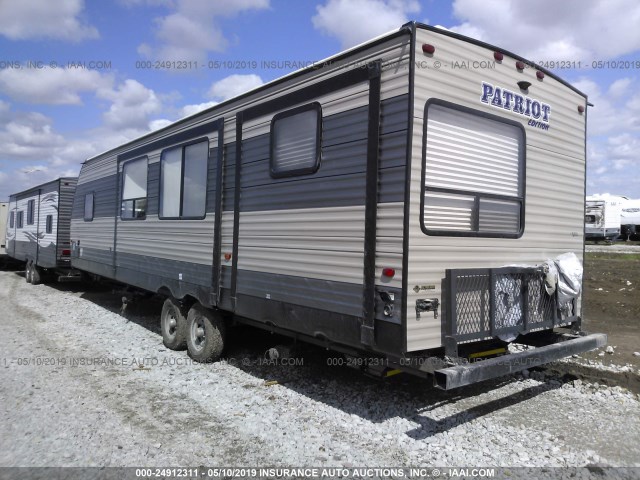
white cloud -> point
(28, 136)
(620, 87)
(32, 19)
(188, 110)
(192, 30)
(553, 30)
(355, 21)
(132, 104)
(4, 111)
(49, 86)
(30, 142)
(186, 38)
(153, 3)
(624, 147)
(605, 116)
(234, 85)
(159, 123)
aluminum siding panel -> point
(188, 241)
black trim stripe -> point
(367, 332)
(584, 194)
(236, 211)
(58, 217)
(38, 224)
(217, 229)
(407, 188)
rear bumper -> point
(460, 375)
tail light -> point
(388, 272)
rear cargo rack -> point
(485, 303)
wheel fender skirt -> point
(460, 375)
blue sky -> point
(56, 114)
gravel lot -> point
(104, 410)
(618, 247)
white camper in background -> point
(630, 218)
(369, 204)
(4, 209)
(602, 217)
(37, 228)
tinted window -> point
(194, 197)
(183, 174)
(171, 173)
(88, 207)
(134, 190)
(295, 141)
(30, 211)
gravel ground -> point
(110, 412)
(620, 247)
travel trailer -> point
(4, 210)
(391, 202)
(603, 217)
(37, 229)
(630, 218)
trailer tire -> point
(205, 334)
(36, 276)
(27, 272)
(173, 323)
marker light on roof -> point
(498, 56)
(580, 109)
(540, 75)
(520, 65)
(426, 48)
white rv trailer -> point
(4, 210)
(37, 229)
(371, 203)
(630, 218)
(603, 217)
